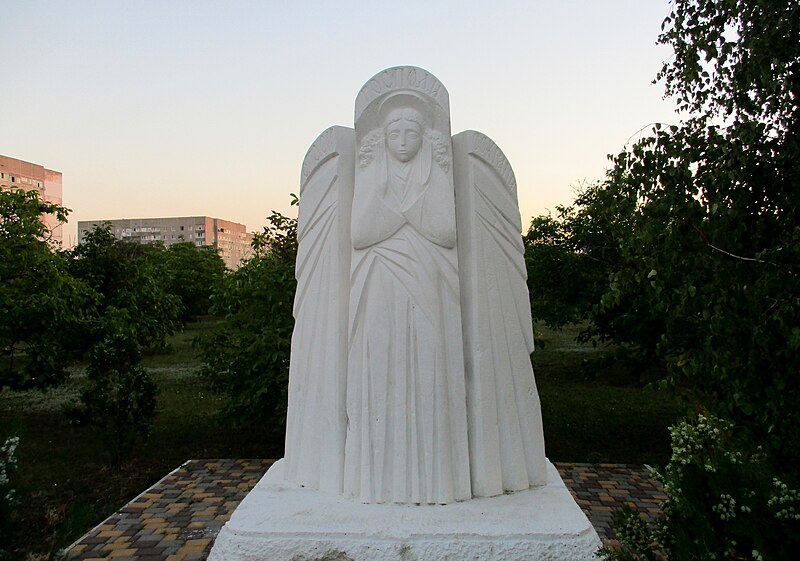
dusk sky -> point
(184, 108)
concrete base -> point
(282, 521)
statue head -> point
(403, 123)
(403, 130)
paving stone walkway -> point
(178, 518)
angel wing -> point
(506, 444)
(316, 419)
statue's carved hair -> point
(441, 155)
(407, 113)
(366, 152)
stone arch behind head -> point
(402, 86)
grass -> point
(597, 409)
(592, 412)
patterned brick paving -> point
(178, 518)
(602, 489)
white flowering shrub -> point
(725, 500)
(8, 463)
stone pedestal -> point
(282, 521)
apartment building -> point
(16, 173)
(230, 238)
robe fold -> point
(406, 436)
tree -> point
(696, 226)
(713, 256)
(247, 358)
(194, 275)
(39, 299)
(134, 310)
(717, 229)
(569, 257)
(128, 278)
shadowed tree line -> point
(687, 255)
(104, 303)
(59, 305)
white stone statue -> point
(410, 379)
(414, 428)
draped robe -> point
(406, 437)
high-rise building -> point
(25, 175)
(230, 238)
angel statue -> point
(410, 378)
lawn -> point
(598, 409)
(592, 413)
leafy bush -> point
(723, 502)
(247, 357)
(120, 397)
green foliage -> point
(570, 257)
(637, 540)
(735, 58)
(120, 397)
(723, 502)
(194, 274)
(247, 358)
(131, 281)
(700, 223)
(709, 276)
(39, 300)
(559, 277)
(679, 282)
(716, 231)
(134, 310)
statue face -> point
(403, 139)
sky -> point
(187, 108)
